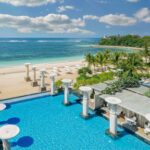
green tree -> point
(115, 58)
(100, 58)
(89, 59)
(146, 53)
(126, 40)
(107, 55)
(132, 63)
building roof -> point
(140, 90)
(99, 87)
(132, 101)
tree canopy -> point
(126, 40)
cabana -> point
(133, 104)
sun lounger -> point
(68, 70)
(147, 130)
(55, 71)
(77, 66)
(131, 121)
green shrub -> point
(144, 75)
(122, 83)
(58, 85)
(84, 71)
(84, 80)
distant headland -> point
(125, 40)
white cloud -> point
(118, 20)
(143, 15)
(133, 1)
(29, 3)
(65, 8)
(90, 17)
(52, 23)
(111, 19)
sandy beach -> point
(13, 84)
(120, 47)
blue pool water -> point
(46, 124)
(17, 51)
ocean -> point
(17, 51)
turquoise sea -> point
(17, 51)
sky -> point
(73, 18)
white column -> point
(52, 77)
(113, 119)
(27, 78)
(34, 82)
(86, 91)
(7, 132)
(113, 101)
(42, 82)
(66, 84)
(6, 145)
(66, 94)
(85, 104)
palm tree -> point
(146, 53)
(107, 54)
(88, 59)
(100, 59)
(116, 56)
(133, 63)
(93, 60)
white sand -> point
(12, 83)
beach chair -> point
(55, 70)
(77, 66)
(147, 130)
(68, 70)
(131, 121)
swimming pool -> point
(46, 124)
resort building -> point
(133, 110)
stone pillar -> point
(52, 77)
(34, 82)
(6, 145)
(42, 78)
(27, 77)
(113, 101)
(66, 84)
(86, 91)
